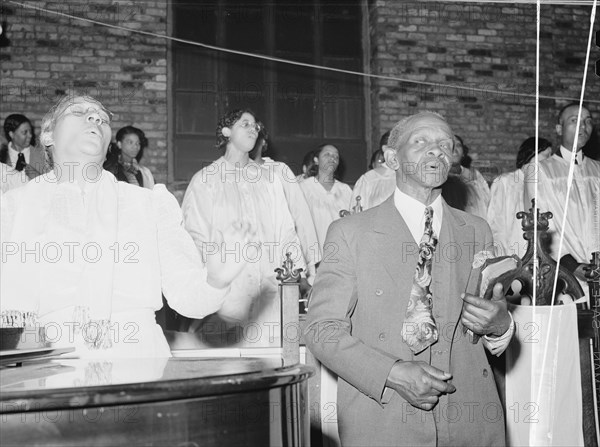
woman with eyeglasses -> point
(89, 256)
(326, 196)
(233, 187)
(123, 158)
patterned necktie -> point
(21, 163)
(419, 329)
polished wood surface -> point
(174, 401)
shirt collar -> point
(14, 154)
(413, 213)
(566, 154)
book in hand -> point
(502, 269)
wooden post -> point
(289, 293)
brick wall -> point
(486, 46)
(49, 56)
(489, 46)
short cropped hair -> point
(399, 129)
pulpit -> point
(554, 344)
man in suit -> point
(392, 388)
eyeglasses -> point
(104, 116)
(247, 125)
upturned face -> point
(21, 136)
(567, 127)
(82, 130)
(424, 152)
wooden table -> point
(175, 401)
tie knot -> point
(428, 212)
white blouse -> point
(111, 249)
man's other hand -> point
(486, 317)
(419, 383)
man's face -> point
(567, 127)
(82, 130)
(425, 151)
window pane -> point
(293, 23)
(195, 113)
(195, 22)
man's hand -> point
(486, 317)
(227, 261)
(419, 383)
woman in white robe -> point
(231, 188)
(87, 257)
(325, 195)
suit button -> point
(378, 292)
(485, 372)
(382, 336)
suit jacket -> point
(354, 327)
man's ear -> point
(226, 131)
(559, 130)
(391, 158)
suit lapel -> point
(452, 260)
(392, 241)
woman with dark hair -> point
(325, 195)
(21, 152)
(231, 188)
(507, 198)
(123, 158)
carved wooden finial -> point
(546, 266)
(288, 274)
(355, 209)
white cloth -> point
(13, 154)
(325, 206)
(543, 385)
(413, 214)
(566, 154)
(582, 230)
(148, 250)
(147, 177)
(221, 194)
(478, 192)
(305, 228)
(373, 188)
(506, 201)
(10, 178)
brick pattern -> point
(478, 45)
(49, 56)
(473, 45)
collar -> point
(413, 213)
(566, 154)
(14, 154)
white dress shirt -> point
(13, 154)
